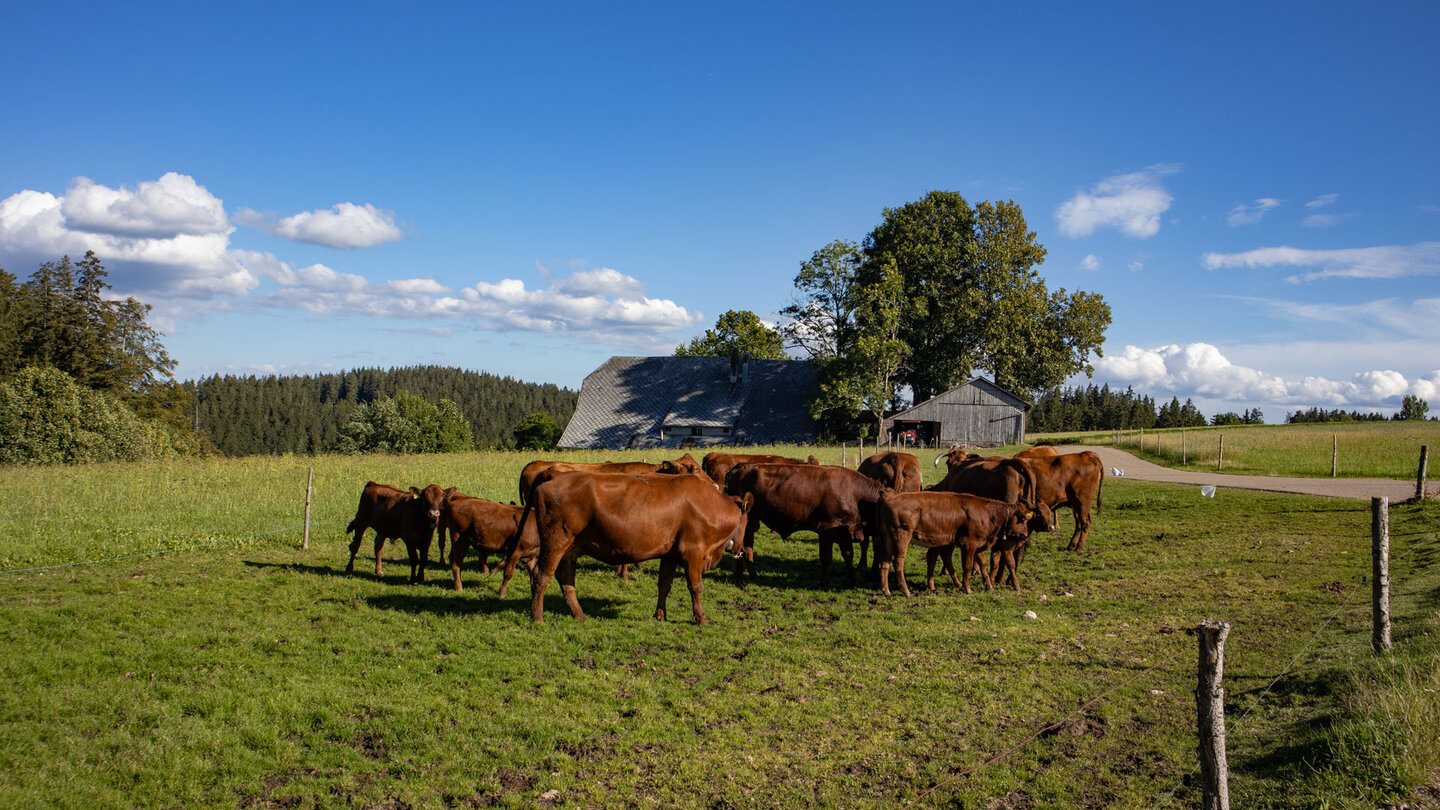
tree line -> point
(249, 415)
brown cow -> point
(898, 471)
(836, 503)
(1038, 451)
(1072, 480)
(489, 527)
(941, 519)
(1003, 479)
(717, 465)
(619, 519)
(408, 515)
(686, 464)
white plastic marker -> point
(1208, 491)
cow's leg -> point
(827, 553)
(745, 555)
(667, 576)
(1081, 513)
(693, 569)
(458, 548)
(566, 575)
(424, 559)
(948, 556)
(847, 553)
(354, 549)
(622, 571)
(379, 546)
(546, 565)
(902, 548)
(967, 562)
(412, 556)
(932, 556)
(440, 537)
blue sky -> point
(530, 189)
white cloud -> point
(1090, 262)
(1390, 261)
(171, 206)
(1201, 370)
(604, 304)
(1325, 220)
(345, 225)
(1136, 266)
(1322, 201)
(163, 243)
(1130, 203)
(1251, 214)
(168, 243)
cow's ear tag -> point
(1029, 515)
(414, 497)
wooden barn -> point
(978, 413)
(692, 402)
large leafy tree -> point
(972, 299)
(822, 315)
(740, 330)
(406, 424)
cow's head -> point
(686, 465)
(429, 501)
(737, 536)
(1042, 519)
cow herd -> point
(689, 514)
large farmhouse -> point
(675, 401)
(978, 413)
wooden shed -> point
(978, 413)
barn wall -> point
(975, 413)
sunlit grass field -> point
(1358, 450)
(257, 674)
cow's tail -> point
(1027, 476)
(513, 542)
(1100, 490)
(350, 528)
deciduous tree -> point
(736, 329)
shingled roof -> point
(648, 401)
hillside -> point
(303, 413)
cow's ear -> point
(414, 493)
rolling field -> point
(257, 674)
(1361, 450)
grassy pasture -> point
(1363, 450)
(257, 674)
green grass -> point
(1360, 450)
(257, 674)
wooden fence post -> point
(1184, 451)
(1334, 455)
(1420, 476)
(1210, 716)
(1380, 570)
(1220, 465)
(309, 487)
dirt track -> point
(1362, 489)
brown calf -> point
(939, 519)
(408, 515)
(489, 527)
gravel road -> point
(1360, 489)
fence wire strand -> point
(168, 550)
